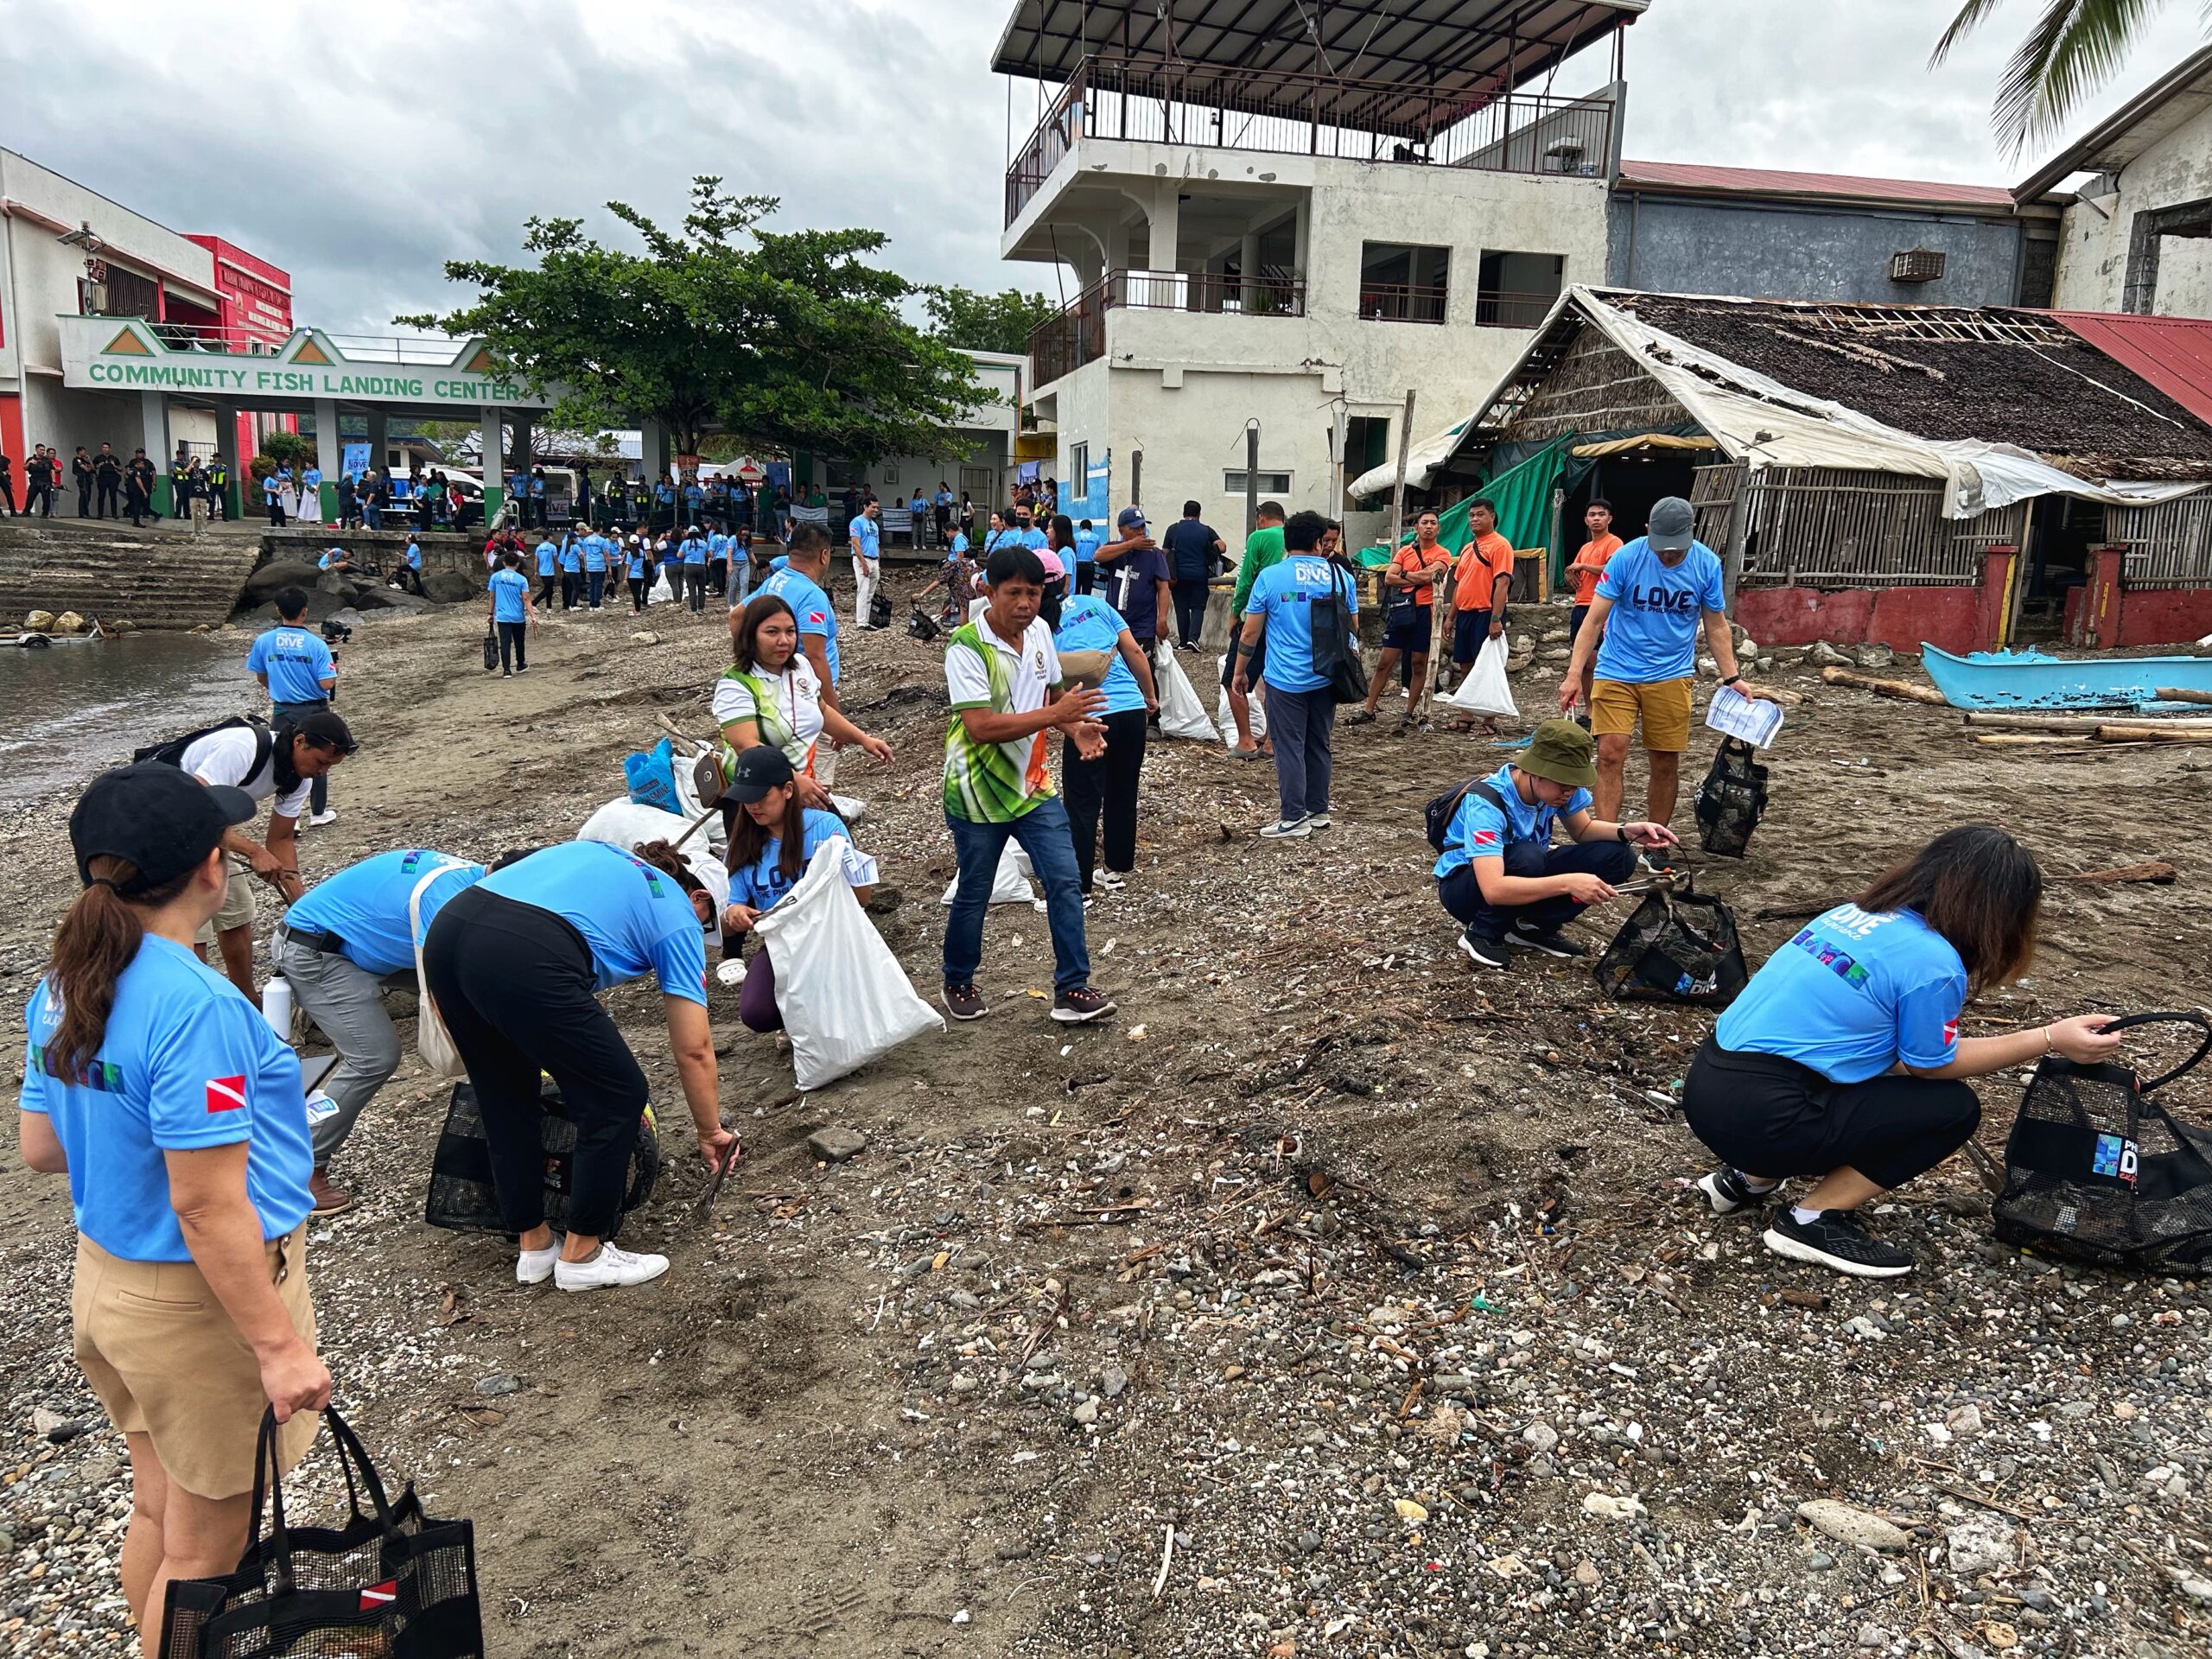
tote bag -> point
(433, 1042)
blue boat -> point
(2032, 679)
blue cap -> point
(1131, 519)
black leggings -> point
(1110, 781)
(1773, 1118)
(513, 984)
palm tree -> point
(2074, 47)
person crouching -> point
(1500, 874)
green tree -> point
(785, 341)
(988, 322)
(2072, 48)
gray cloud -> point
(361, 149)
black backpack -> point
(1440, 811)
(171, 753)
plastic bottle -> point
(277, 1006)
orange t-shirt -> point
(1484, 560)
(1589, 564)
(1410, 561)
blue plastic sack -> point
(651, 777)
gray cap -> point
(1672, 526)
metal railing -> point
(429, 351)
(1402, 302)
(1225, 107)
(1497, 309)
(1077, 335)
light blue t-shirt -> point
(296, 662)
(868, 533)
(717, 545)
(594, 553)
(572, 558)
(1036, 539)
(365, 905)
(694, 550)
(1481, 830)
(548, 557)
(1852, 995)
(1086, 546)
(1285, 593)
(636, 919)
(816, 615)
(1089, 623)
(637, 564)
(959, 542)
(510, 596)
(324, 563)
(1651, 632)
(186, 1063)
(762, 882)
(414, 557)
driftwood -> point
(2182, 693)
(2157, 873)
(1880, 688)
(2113, 731)
(2029, 740)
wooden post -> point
(1739, 529)
(1251, 476)
(1398, 485)
(1136, 480)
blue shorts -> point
(1469, 630)
(1412, 639)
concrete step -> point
(156, 579)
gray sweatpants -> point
(346, 1001)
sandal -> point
(1360, 717)
(1236, 754)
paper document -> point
(1753, 719)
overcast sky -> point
(360, 147)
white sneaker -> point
(1112, 882)
(1287, 829)
(1317, 820)
(610, 1267)
(536, 1266)
(328, 815)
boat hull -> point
(2034, 681)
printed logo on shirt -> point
(2116, 1156)
(99, 1074)
(378, 1596)
(1485, 838)
(1851, 973)
(226, 1094)
(817, 616)
(1950, 1034)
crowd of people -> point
(196, 1157)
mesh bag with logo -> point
(1679, 946)
(461, 1195)
(2098, 1171)
(390, 1583)
(1730, 799)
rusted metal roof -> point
(1843, 187)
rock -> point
(54, 1426)
(451, 588)
(1308, 1542)
(962, 1383)
(1608, 1507)
(642, 637)
(1086, 1414)
(1980, 1543)
(122, 626)
(1112, 1381)
(1409, 1511)
(1964, 1419)
(1848, 1525)
(1821, 1562)
(1827, 655)
(265, 582)
(1585, 1573)
(499, 1382)
(68, 622)
(835, 1144)
(1874, 656)
(321, 605)
(1539, 1437)
(2195, 1587)
(38, 622)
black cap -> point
(759, 770)
(159, 817)
(327, 727)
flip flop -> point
(1236, 754)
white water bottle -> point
(277, 1006)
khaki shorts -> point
(1662, 707)
(237, 902)
(167, 1363)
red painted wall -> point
(1899, 617)
(11, 440)
(2163, 616)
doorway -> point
(2061, 532)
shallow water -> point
(81, 705)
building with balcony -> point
(1290, 216)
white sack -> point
(1484, 691)
(1227, 722)
(625, 823)
(1009, 884)
(1181, 713)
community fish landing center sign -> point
(127, 354)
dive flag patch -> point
(1485, 838)
(380, 1595)
(1950, 1034)
(226, 1094)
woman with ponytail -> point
(178, 1117)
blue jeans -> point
(1609, 861)
(373, 516)
(595, 583)
(1043, 833)
(319, 791)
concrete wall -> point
(1901, 618)
(1695, 246)
(2093, 240)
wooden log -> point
(2122, 732)
(1781, 695)
(2012, 722)
(2182, 693)
(1897, 689)
(2155, 873)
(2030, 739)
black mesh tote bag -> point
(461, 1196)
(1679, 946)
(2099, 1171)
(390, 1582)
(1730, 799)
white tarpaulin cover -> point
(1760, 421)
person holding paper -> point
(1654, 594)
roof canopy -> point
(1471, 49)
(1694, 178)
(2176, 97)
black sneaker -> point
(964, 1002)
(1727, 1190)
(1484, 952)
(1549, 940)
(1836, 1238)
(1080, 1005)
(1659, 861)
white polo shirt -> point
(226, 757)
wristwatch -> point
(1620, 833)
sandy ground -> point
(1378, 1288)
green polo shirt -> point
(1262, 547)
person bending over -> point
(1841, 1061)
(773, 835)
(1500, 874)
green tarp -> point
(1522, 496)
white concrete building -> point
(985, 433)
(2137, 235)
(1292, 216)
